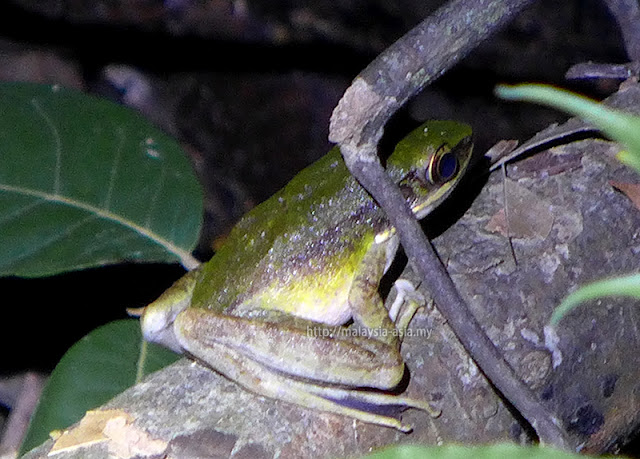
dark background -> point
(248, 88)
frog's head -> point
(429, 162)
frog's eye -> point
(443, 166)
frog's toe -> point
(407, 301)
(380, 403)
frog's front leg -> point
(367, 308)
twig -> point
(357, 125)
(593, 70)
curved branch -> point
(357, 124)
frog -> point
(289, 307)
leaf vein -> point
(185, 257)
(43, 243)
(114, 168)
(58, 144)
(154, 198)
(19, 212)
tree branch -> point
(627, 14)
(357, 124)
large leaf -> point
(94, 370)
(85, 182)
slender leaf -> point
(94, 370)
(85, 182)
(621, 127)
(627, 286)
(497, 451)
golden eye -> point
(442, 167)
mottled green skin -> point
(310, 257)
(306, 241)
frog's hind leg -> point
(310, 351)
(361, 405)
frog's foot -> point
(407, 301)
(363, 405)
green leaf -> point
(630, 159)
(497, 451)
(94, 370)
(628, 286)
(85, 182)
(621, 127)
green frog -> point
(289, 306)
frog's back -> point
(305, 241)
(298, 251)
